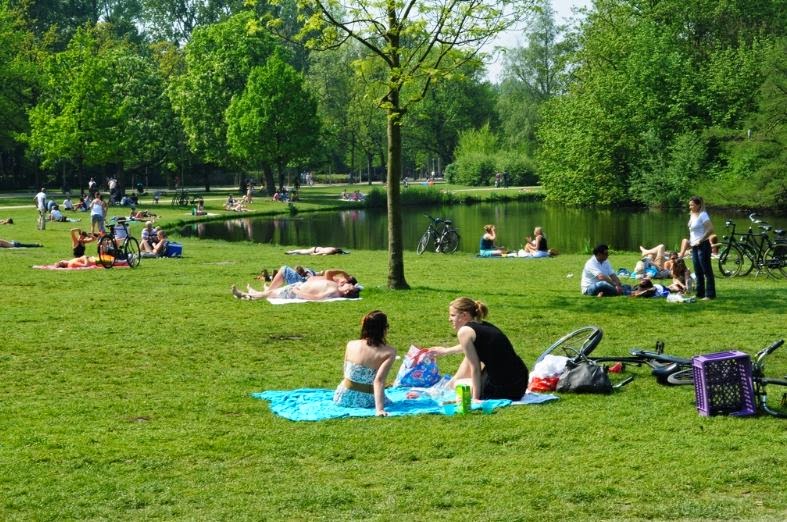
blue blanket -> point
(313, 404)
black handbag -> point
(584, 377)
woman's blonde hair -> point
(488, 228)
(476, 309)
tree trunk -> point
(269, 183)
(396, 278)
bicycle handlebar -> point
(767, 351)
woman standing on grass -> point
(494, 368)
(366, 364)
(700, 231)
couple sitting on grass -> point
(290, 284)
(490, 362)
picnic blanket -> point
(314, 404)
(282, 300)
(55, 267)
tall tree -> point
(218, 60)
(101, 105)
(274, 121)
(411, 38)
(532, 75)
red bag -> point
(542, 384)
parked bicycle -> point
(776, 405)
(118, 246)
(442, 234)
(741, 254)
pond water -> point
(570, 230)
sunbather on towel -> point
(77, 262)
(317, 251)
(366, 364)
(315, 288)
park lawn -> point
(126, 395)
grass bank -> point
(125, 395)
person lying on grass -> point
(16, 244)
(367, 362)
(315, 288)
(77, 262)
(317, 251)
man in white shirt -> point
(598, 276)
(40, 200)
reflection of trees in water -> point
(568, 229)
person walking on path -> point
(40, 200)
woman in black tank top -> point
(492, 364)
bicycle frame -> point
(760, 382)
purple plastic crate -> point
(722, 384)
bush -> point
(521, 169)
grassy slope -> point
(125, 394)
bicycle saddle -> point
(661, 373)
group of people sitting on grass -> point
(235, 205)
(600, 279)
(534, 246)
(303, 283)
(490, 363)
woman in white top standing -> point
(98, 213)
(700, 230)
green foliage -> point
(475, 157)
(274, 121)
(218, 61)
(654, 83)
(521, 169)
(101, 105)
(18, 75)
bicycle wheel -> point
(732, 261)
(423, 242)
(131, 251)
(577, 344)
(450, 242)
(775, 260)
(681, 377)
(772, 401)
(106, 251)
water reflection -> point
(569, 230)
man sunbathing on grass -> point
(315, 288)
(16, 244)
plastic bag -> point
(546, 373)
(419, 369)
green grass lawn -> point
(124, 394)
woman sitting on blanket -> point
(535, 246)
(495, 369)
(78, 240)
(367, 362)
(487, 247)
(681, 275)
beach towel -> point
(314, 404)
(281, 300)
(55, 267)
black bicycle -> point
(442, 234)
(116, 247)
(180, 198)
(739, 257)
(579, 344)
